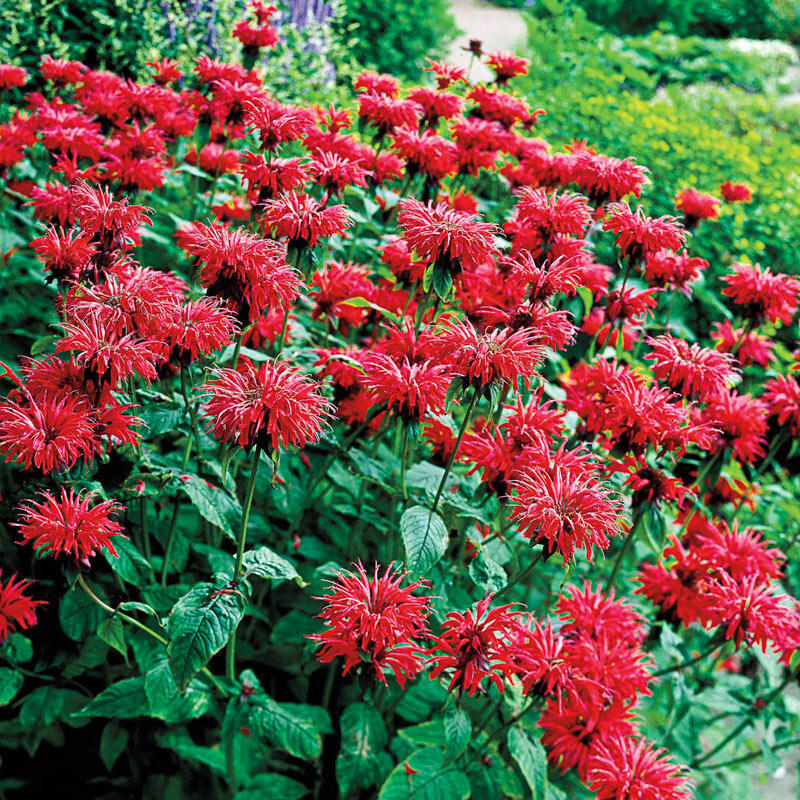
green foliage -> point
(762, 19)
(700, 137)
(396, 36)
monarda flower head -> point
(506, 66)
(410, 390)
(199, 327)
(444, 237)
(270, 406)
(302, 220)
(761, 293)
(49, 433)
(475, 645)
(749, 347)
(696, 206)
(689, 368)
(277, 123)
(628, 768)
(735, 192)
(248, 272)
(742, 423)
(576, 724)
(69, 524)
(17, 610)
(670, 270)
(492, 357)
(639, 235)
(565, 509)
(603, 178)
(372, 621)
(782, 396)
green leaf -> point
(162, 420)
(10, 683)
(486, 573)
(79, 614)
(532, 761)
(18, 648)
(124, 699)
(441, 280)
(129, 563)
(113, 741)
(41, 707)
(264, 563)
(43, 345)
(199, 626)
(181, 743)
(272, 787)
(424, 538)
(113, 634)
(434, 779)
(278, 724)
(362, 302)
(213, 504)
(457, 731)
(362, 760)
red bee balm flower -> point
(17, 610)
(439, 233)
(566, 508)
(735, 192)
(623, 767)
(482, 359)
(302, 220)
(373, 622)
(690, 368)
(762, 293)
(69, 524)
(271, 406)
(475, 645)
(697, 206)
(412, 390)
(639, 235)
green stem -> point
(626, 546)
(461, 430)
(192, 412)
(130, 620)
(237, 350)
(174, 521)
(746, 721)
(683, 664)
(752, 756)
(520, 576)
(237, 570)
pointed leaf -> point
(199, 626)
(424, 538)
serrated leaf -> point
(362, 758)
(113, 741)
(199, 626)
(212, 503)
(162, 420)
(181, 743)
(424, 538)
(433, 780)
(532, 761)
(135, 605)
(112, 633)
(124, 699)
(10, 683)
(264, 563)
(457, 731)
(278, 724)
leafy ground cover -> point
(385, 449)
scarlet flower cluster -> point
(347, 278)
